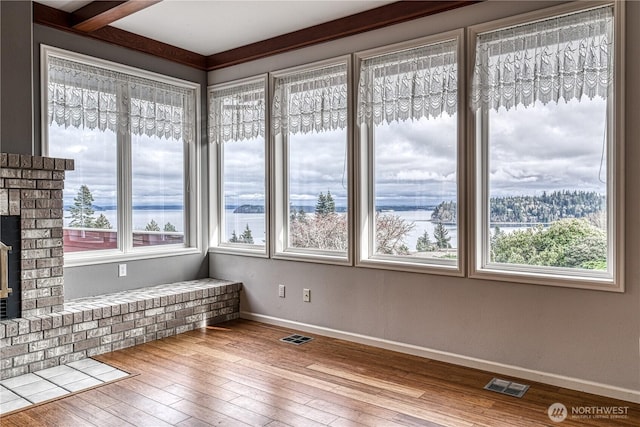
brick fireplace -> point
(50, 331)
(31, 189)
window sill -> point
(412, 267)
(84, 259)
(592, 282)
(318, 258)
(258, 253)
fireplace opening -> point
(10, 266)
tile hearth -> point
(26, 390)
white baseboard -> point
(456, 359)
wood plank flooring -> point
(240, 374)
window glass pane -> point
(547, 178)
(90, 194)
(318, 188)
(415, 188)
(157, 169)
(244, 192)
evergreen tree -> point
(152, 226)
(330, 203)
(441, 234)
(325, 204)
(82, 210)
(321, 205)
(424, 243)
(246, 236)
(234, 237)
(168, 227)
(102, 222)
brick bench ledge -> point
(94, 325)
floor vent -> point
(507, 387)
(296, 339)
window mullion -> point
(483, 197)
(125, 204)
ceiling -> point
(208, 27)
(214, 34)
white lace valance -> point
(411, 84)
(82, 95)
(311, 101)
(561, 58)
(237, 113)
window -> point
(132, 136)
(237, 127)
(410, 180)
(310, 116)
(547, 146)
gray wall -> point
(16, 126)
(586, 335)
(17, 129)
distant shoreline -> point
(135, 208)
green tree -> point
(152, 226)
(246, 236)
(168, 227)
(572, 243)
(441, 235)
(424, 243)
(82, 210)
(325, 204)
(102, 222)
(330, 203)
(321, 205)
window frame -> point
(279, 222)
(216, 182)
(365, 251)
(477, 125)
(125, 250)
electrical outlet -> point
(281, 291)
(306, 295)
(122, 270)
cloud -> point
(157, 166)
(534, 149)
(546, 148)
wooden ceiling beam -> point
(393, 13)
(51, 17)
(99, 14)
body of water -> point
(142, 217)
(238, 222)
(421, 218)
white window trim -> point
(478, 267)
(279, 167)
(192, 168)
(365, 253)
(216, 182)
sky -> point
(534, 149)
(156, 166)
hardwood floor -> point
(239, 373)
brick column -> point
(31, 187)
